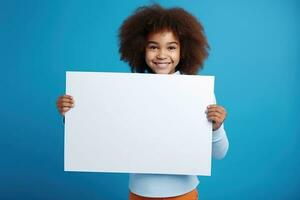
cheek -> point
(148, 59)
(149, 56)
(176, 57)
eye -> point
(153, 47)
(172, 48)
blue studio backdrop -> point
(254, 56)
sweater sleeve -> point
(220, 143)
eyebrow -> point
(153, 42)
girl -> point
(165, 41)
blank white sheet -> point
(138, 123)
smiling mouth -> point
(162, 64)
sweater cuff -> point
(218, 134)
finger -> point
(67, 101)
(212, 105)
(217, 110)
(65, 97)
(68, 96)
(68, 105)
(65, 109)
(62, 102)
(216, 106)
(59, 100)
(214, 114)
(214, 119)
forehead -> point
(166, 35)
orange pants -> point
(193, 195)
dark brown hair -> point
(152, 19)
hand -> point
(64, 104)
(217, 115)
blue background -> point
(254, 55)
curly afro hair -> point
(152, 19)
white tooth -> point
(162, 65)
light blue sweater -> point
(164, 185)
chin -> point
(163, 71)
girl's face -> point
(162, 52)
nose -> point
(161, 54)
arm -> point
(217, 115)
(220, 143)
